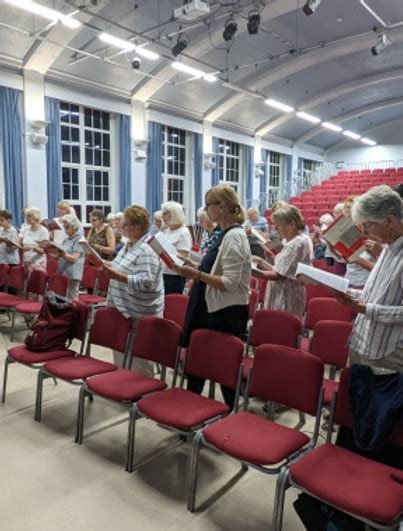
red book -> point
(346, 238)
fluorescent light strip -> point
(368, 141)
(146, 53)
(278, 105)
(117, 42)
(332, 127)
(46, 12)
(194, 72)
(352, 135)
(308, 117)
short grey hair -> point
(110, 217)
(288, 214)
(34, 212)
(176, 211)
(376, 205)
(202, 213)
(72, 220)
(119, 215)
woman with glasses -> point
(101, 236)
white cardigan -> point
(233, 264)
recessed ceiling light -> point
(340, 20)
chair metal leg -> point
(7, 361)
(12, 326)
(282, 485)
(131, 439)
(80, 416)
(55, 381)
(211, 390)
(197, 442)
(38, 399)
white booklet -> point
(323, 277)
(12, 243)
(43, 244)
(89, 251)
(165, 250)
(346, 238)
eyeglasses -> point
(127, 224)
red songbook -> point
(346, 238)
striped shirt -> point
(144, 292)
(379, 332)
(9, 254)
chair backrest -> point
(157, 339)
(287, 376)
(175, 308)
(84, 311)
(59, 284)
(37, 282)
(275, 327)
(102, 283)
(4, 271)
(330, 342)
(110, 329)
(51, 266)
(315, 292)
(214, 356)
(89, 277)
(262, 290)
(16, 278)
(253, 300)
(321, 308)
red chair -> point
(330, 344)
(110, 329)
(211, 355)
(89, 277)
(175, 308)
(156, 340)
(4, 272)
(15, 281)
(59, 283)
(101, 286)
(283, 375)
(325, 308)
(262, 284)
(315, 292)
(34, 360)
(51, 266)
(253, 300)
(367, 490)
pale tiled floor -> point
(49, 483)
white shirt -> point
(181, 240)
(32, 237)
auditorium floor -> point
(48, 483)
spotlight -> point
(231, 27)
(382, 43)
(253, 22)
(136, 63)
(311, 6)
(181, 44)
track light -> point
(383, 42)
(230, 28)
(181, 44)
(311, 6)
(253, 22)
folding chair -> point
(34, 360)
(15, 281)
(367, 490)
(51, 266)
(175, 308)
(101, 286)
(4, 272)
(156, 340)
(59, 283)
(325, 308)
(280, 374)
(110, 329)
(211, 355)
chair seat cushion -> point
(247, 365)
(10, 301)
(29, 307)
(254, 439)
(330, 387)
(124, 385)
(351, 483)
(91, 299)
(78, 368)
(21, 354)
(180, 408)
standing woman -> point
(101, 236)
(179, 236)
(284, 292)
(32, 233)
(8, 253)
(220, 295)
(211, 231)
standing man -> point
(258, 223)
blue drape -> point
(215, 174)
(154, 168)
(198, 170)
(11, 138)
(125, 161)
(288, 177)
(53, 155)
(249, 172)
(265, 169)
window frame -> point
(229, 164)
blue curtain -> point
(125, 161)
(154, 168)
(265, 176)
(11, 138)
(53, 155)
(215, 175)
(198, 170)
(249, 172)
(288, 177)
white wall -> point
(367, 154)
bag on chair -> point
(55, 326)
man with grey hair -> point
(260, 224)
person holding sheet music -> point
(32, 233)
(211, 231)
(101, 236)
(283, 291)
(8, 253)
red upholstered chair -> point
(110, 329)
(156, 340)
(175, 308)
(100, 290)
(315, 292)
(321, 308)
(59, 284)
(15, 281)
(4, 272)
(281, 374)
(253, 300)
(51, 266)
(330, 344)
(367, 490)
(89, 277)
(34, 360)
(211, 355)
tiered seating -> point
(321, 198)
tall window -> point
(174, 164)
(86, 158)
(275, 191)
(309, 168)
(228, 163)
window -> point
(86, 158)
(309, 168)
(274, 170)
(174, 164)
(228, 164)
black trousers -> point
(173, 284)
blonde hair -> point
(66, 205)
(289, 214)
(138, 215)
(176, 211)
(279, 204)
(34, 212)
(224, 193)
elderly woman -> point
(32, 233)
(284, 292)
(101, 236)
(179, 236)
(136, 288)
(158, 222)
(64, 208)
(220, 295)
(8, 253)
(211, 231)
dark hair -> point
(399, 189)
(97, 213)
(6, 215)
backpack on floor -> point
(55, 326)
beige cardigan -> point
(233, 264)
